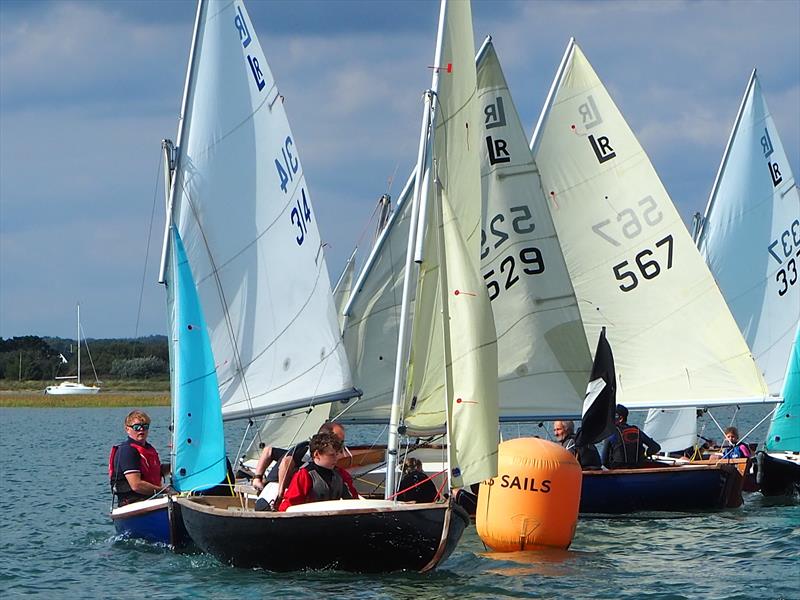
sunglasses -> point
(140, 426)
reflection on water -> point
(548, 562)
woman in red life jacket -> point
(628, 446)
(134, 467)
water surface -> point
(58, 540)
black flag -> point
(601, 397)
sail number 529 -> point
(646, 264)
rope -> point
(428, 478)
(147, 248)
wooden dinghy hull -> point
(778, 473)
(689, 487)
(370, 537)
(157, 520)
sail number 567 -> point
(646, 265)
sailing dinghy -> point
(242, 208)
(636, 271)
(72, 388)
(750, 237)
(543, 356)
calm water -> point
(56, 540)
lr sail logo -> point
(590, 117)
(602, 148)
(495, 114)
(589, 114)
(498, 150)
(774, 168)
(245, 37)
(496, 117)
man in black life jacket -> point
(628, 446)
(587, 455)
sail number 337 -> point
(787, 246)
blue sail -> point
(784, 430)
(198, 452)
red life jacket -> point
(149, 468)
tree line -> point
(44, 358)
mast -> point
(402, 341)
(548, 103)
(414, 254)
(201, 4)
(79, 343)
(701, 222)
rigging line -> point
(241, 444)
(147, 247)
(228, 324)
(85, 343)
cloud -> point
(88, 90)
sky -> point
(89, 89)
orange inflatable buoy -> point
(534, 499)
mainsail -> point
(242, 206)
(750, 239)
(543, 355)
(750, 236)
(632, 262)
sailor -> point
(134, 467)
(736, 449)
(320, 479)
(587, 455)
(628, 446)
(416, 486)
(273, 486)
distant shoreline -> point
(33, 399)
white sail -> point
(244, 212)
(344, 287)
(372, 317)
(750, 236)
(543, 355)
(452, 372)
(674, 428)
(634, 266)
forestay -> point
(452, 371)
(750, 236)
(543, 355)
(632, 262)
(244, 211)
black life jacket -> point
(320, 490)
(627, 449)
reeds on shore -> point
(112, 399)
